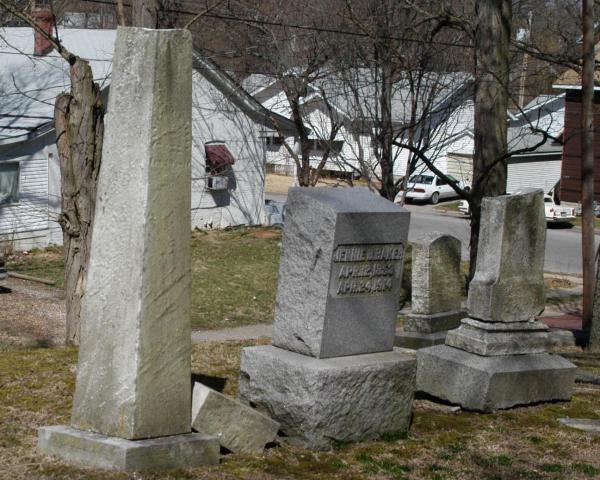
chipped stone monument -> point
(498, 357)
(332, 373)
(132, 403)
(239, 428)
(436, 291)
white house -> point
(29, 168)
(439, 109)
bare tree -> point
(79, 123)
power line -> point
(292, 25)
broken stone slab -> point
(321, 401)
(133, 375)
(487, 384)
(88, 449)
(340, 272)
(436, 277)
(585, 424)
(417, 340)
(508, 285)
(499, 338)
(239, 428)
(436, 322)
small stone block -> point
(436, 322)
(87, 449)
(585, 424)
(487, 384)
(320, 401)
(238, 427)
(417, 340)
(489, 342)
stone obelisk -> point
(132, 403)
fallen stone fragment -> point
(585, 424)
(238, 427)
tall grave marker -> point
(132, 403)
(498, 357)
(332, 372)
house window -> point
(219, 159)
(9, 183)
(273, 141)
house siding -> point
(539, 172)
(214, 118)
(32, 221)
(570, 181)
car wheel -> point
(435, 198)
(467, 189)
(277, 225)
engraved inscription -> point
(370, 270)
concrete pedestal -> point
(320, 401)
(88, 449)
(491, 383)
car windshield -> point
(426, 179)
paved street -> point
(563, 245)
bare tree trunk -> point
(79, 129)
(492, 39)
(388, 185)
(145, 13)
(587, 162)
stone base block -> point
(416, 340)
(487, 384)
(436, 322)
(498, 338)
(87, 449)
(320, 401)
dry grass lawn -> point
(524, 443)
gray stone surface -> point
(490, 339)
(491, 383)
(508, 285)
(238, 427)
(436, 322)
(436, 277)
(133, 376)
(416, 340)
(585, 424)
(340, 272)
(319, 401)
(89, 449)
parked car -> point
(555, 213)
(464, 208)
(275, 213)
(429, 187)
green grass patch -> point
(47, 263)
(448, 206)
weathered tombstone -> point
(332, 372)
(497, 358)
(132, 403)
(436, 291)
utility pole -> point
(587, 161)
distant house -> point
(353, 144)
(570, 183)
(29, 166)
